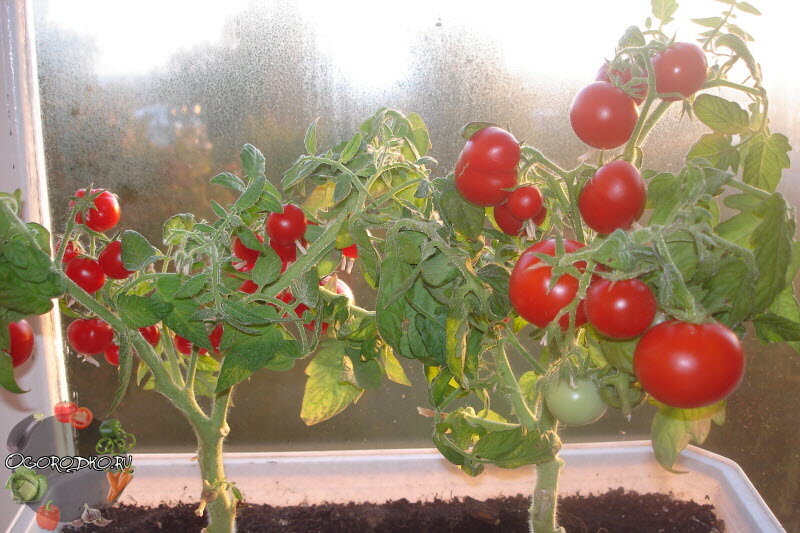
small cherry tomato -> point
(110, 260)
(681, 68)
(508, 223)
(151, 334)
(491, 149)
(216, 337)
(89, 336)
(104, 215)
(350, 252)
(71, 251)
(620, 309)
(614, 198)
(603, 116)
(86, 273)
(481, 187)
(689, 365)
(48, 516)
(248, 255)
(81, 418)
(21, 342)
(623, 76)
(63, 411)
(112, 354)
(248, 286)
(576, 405)
(287, 227)
(529, 287)
(183, 345)
(525, 202)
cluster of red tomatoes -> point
(679, 363)
(286, 231)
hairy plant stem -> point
(544, 503)
(510, 386)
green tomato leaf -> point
(267, 268)
(474, 127)
(249, 198)
(326, 395)
(739, 47)
(253, 162)
(715, 148)
(748, 8)
(774, 328)
(392, 367)
(310, 138)
(246, 353)
(178, 228)
(231, 181)
(351, 148)
(137, 252)
(141, 311)
(664, 9)
(765, 160)
(7, 380)
(465, 217)
(772, 247)
(721, 115)
(673, 429)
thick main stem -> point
(544, 503)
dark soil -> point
(616, 511)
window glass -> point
(151, 99)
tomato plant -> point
(620, 78)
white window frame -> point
(22, 167)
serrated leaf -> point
(715, 148)
(773, 328)
(247, 353)
(663, 9)
(141, 311)
(310, 138)
(351, 148)
(765, 160)
(326, 394)
(466, 218)
(721, 115)
(181, 318)
(253, 162)
(137, 252)
(772, 247)
(739, 47)
(249, 198)
(229, 180)
(632, 37)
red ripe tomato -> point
(529, 287)
(506, 221)
(81, 418)
(86, 273)
(151, 334)
(287, 227)
(689, 365)
(216, 337)
(110, 260)
(350, 252)
(482, 187)
(620, 309)
(603, 116)
(112, 354)
(344, 288)
(48, 516)
(491, 149)
(71, 251)
(614, 198)
(681, 68)
(248, 286)
(525, 202)
(20, 345)
(248, 255)
(540, 218)
(623, 77)
(183, 345)
(63, 411)
(105, 213)
(89, 335)
(286, 252)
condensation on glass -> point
(151, 99)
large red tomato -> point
(689, 365)
(620, 309)
(110, 260)
(287, 227)
(529, 287)
(614, 198)
(603, 116)
(681, 68)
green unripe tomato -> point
(343, 239)
(574, 406)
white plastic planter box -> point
(377, 476)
